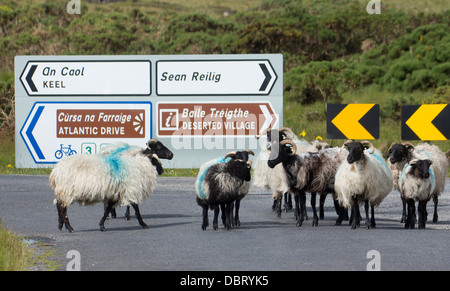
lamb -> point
(153, 147)
(117, 180)
(307, 172)
(401, 154)
(417, 183)
(221, 182)
(362, 177)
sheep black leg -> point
(60, 215)
(205, 222)
(337, 206)
(278, 205)
(435, 215)
(237, 222)
(322, 199)
(224, 214)
(302, 198)
(372, 219)
(63, 218)
(341, 210)
(422, 208)
(216, 218)
(105, 215)
(368, 221)
(403, 219)
(138, 215)
(297, 203)
(355, 221)
(127, 213)
(313, 205)
(288, 201)
(410, 221)
(229, 210)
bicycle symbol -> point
(67, 151)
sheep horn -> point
(250, 152)
(372, 148)
(407, 143)
(152, 141)
(230, 155)
(288, 131)
(292, 144)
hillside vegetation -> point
(334, 51)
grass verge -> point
(14, 255)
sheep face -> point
(242, 157)
(398, 152)
(155, 147)
(420, 168)
(356, 150)
(286, 148)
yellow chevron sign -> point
(353, 121)
(423, 122)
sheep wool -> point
(88, 179)
(201, 189)
(371, 178)
(417, 189)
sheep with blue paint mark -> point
(222, 182)
(117, 180)
(417, 183)
(154, 147)
(363, 177)
(401, 154)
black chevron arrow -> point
(29, 78)
(267, 79)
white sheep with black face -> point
(417, 183)
(154, 146)
(363, 177)
(223, 182)
(401, 154)
(117, 180)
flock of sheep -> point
(355, 174)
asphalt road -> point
(175, 241)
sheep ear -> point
(347, 143)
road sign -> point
(426, 122)
(214, 77)
(53, 130)
(214, 119)
(353, 121)
(87, 78)
(75, 104)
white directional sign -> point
(214, 77)
(86, 78)
(199, 106)
(54, 130)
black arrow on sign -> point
(29, 76)
(267, 79)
